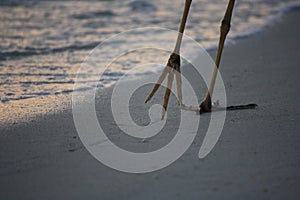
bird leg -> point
(173, 64)
(206, 105)
(167, 93)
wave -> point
(142, 6)
(269, 21)
(31, 95)
(30, 51)
(15, 3)
(91, 15)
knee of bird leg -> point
(174, 59)
(225, 27)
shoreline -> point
(14, 113)
(257, 156)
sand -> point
(257, 156)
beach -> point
(256, 157)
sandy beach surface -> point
(257, 156)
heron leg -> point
(167, 93)
(206, 104)
(174, 64)
(179, 85)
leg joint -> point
(174, 61)
(225, 26)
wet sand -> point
(257, 156)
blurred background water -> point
(43, 43)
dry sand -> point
(257, 156)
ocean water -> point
(43, 43)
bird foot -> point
(205, 108)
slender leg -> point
(182, 25)
(178, 85)
(205, 106)
(173, 63)
(167, 93)
(156, 86)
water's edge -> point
(25, 109)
